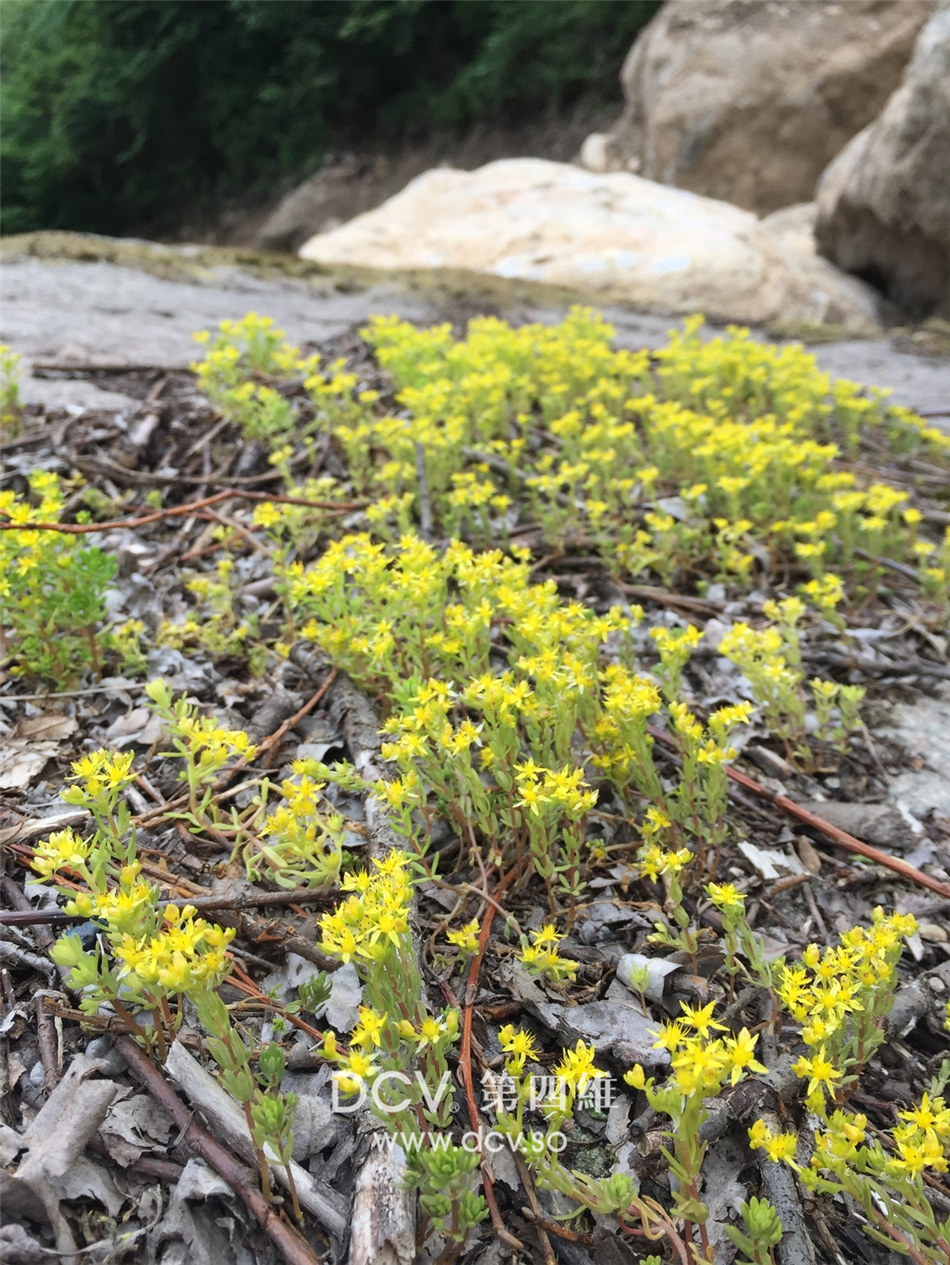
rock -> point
(794, 226)
(616, 1025)
(748, 100)
(328, 198)
(880, 824)
(884, 203)
(923, 728)
(611, 236)
(597, 153)
(350, 183)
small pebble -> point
(808, 854)
(933, 932)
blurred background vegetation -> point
(129, 114)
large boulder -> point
(350, 183)
(612, 236)
(749, 100)
(884, 203)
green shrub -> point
(135, 111)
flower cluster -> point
(701, 1064)
(187, 952)
(375, 917)
(840, 997)
(770, 659)
(52, 588)
(739, 436)
(466, 938)
(298, 845)
(540, 956)
(100, 773)
(204, 748)
(397, 1031)
(883, 1175)
(63, 850)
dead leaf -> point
(769, 863)
(134, 1124)
(808, 854)
(657, 970)
(137, 726)
(520, 984)
(616, 1025)
(53, 726)
(55, 1141)
(86, 1180)
(108, 1251)
(130, 723)
(189, 1232)
(346, 993)
(11, 1144)
(17, 1248)
(198, 1181)
(21, 761)
(15, 1069)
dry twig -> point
(295, 1250)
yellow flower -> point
(62, 850)
(671, 1036)
(356, 1070)
(933, 1115)
(636, 1077)
(369, 1029)
(725, 896)
(519, 1044)
(577, 1067)
(466, 939)
(698, 1067)
(740, 1055)
(431, 1031)
(821, 1073)
(700, 1018)
(267, 514)
(778, 1146)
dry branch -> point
(83, 529)
(228, 1121)
(384, 1212)
(295, 1249)
(204, 904)
(840, 837)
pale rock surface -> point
(57, 309)
(749, 100)
(612, 236)
(794, 226)
(923, 728)
(884, 203)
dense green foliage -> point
(127, 113)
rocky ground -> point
(69, 299)
(116, 1141)
(87, 302)
(105, 330)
